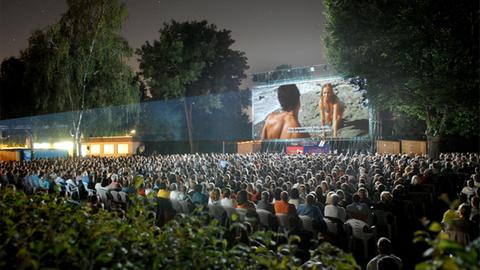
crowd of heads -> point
(333, 183)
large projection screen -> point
(345, 110)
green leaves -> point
(191, 59)
(419, 58)
(445, 253)
(55, 235)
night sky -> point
(270, 32)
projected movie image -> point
(317, 109)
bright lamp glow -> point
(42, 145)
(63, 145)
(84, 150)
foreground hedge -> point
(42, 231)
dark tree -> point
(192, 59)
(15, 100)
(419, 57)
(79, 63)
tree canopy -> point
(419, 57)
(15, 100)
(79, 63)
(191, 59)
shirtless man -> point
(331, 109)
(277, 124)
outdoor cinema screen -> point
(331, 107)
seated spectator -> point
(277, 195)
(163, 192)
(251, 192)
(174, 194)
(227, 201)
(309, 209)
(243, 203)
(198, 198)
(264, 203)
(164, 211)
(214, 197)
(385, 202)
(387, 263)
(115, 184)
(215, 208)
(258, 191)
(59, 181)
(363, 193)
(361, 229)
(333, 210)
(342, 202)
(149, 192)
(182, 195)
(474, 215)
(129, 188)
(384, 247)
(455, 224)
(357, 209)
(469, 188)
(416, 184)
(44, 184)
(295, 197)
(303, 189)
(476, 178)
(474, 218)
(283, 207)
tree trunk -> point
(433, 146)
(76, 142)
(77, 123)
(188, 119)
(74, 150)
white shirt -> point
(174, 195)
(226, 202)
(357, 229)
(335, 212)
(468, 191)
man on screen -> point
(331, 108)
(281, 125)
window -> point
(108, 149)
(123, 148)
(95, 149)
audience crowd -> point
(367, 204)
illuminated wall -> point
(214, 117)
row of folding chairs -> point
(111, 199)
(265, 220)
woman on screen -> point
(282, 125)
(331, 108)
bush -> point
(43, 231)
(446, 254)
